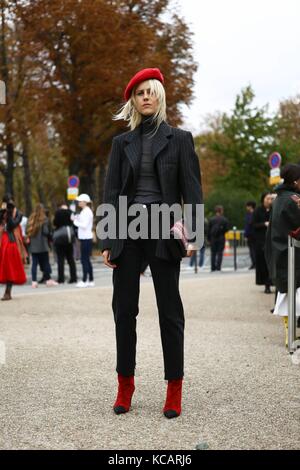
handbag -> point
(178, 242)
(64, 235)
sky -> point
(237, 43)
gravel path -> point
(58, 384)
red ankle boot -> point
(125, 392)
(172, 407)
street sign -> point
(2, 92)
(73, 181)
(275, 160)
(72, 193)
(274, 180)
(275, 172)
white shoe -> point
(34, 285)
(82, 284)
(91, 284)
(51, 283)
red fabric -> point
(11, 266)
(141, 76)
(174, 395)
(125, 391)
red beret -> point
(141, 76)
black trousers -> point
(126, 282)
(65, 251)
(251, 245)
(217, 249)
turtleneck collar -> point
(148, 125)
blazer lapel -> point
(161, 139)
(133, 150)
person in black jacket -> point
(64, 251)
(218, 225)
(250, 208)
(285, 218)
(152, 164)
(260, 222)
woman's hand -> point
(106, 257)
(190, 253)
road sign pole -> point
(234, 249)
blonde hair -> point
(129, 113)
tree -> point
(213, 165)
(82, 55)
(248, 139)
(288, 129)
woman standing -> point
(260, 222)
(63, 218)
(11, 265)
(152, 164)
(285, 217)
(84, 222)
(38, 233)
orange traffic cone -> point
(227, 249)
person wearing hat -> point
(284, 218)
(153, 163)
(84, 222)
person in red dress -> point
(11, 264)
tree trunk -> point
(27, 186)
(87, 181)
(41, 194)
(9, 171)
(101, 181)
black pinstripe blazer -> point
(176, 164)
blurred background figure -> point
(64, 245)
(202, 250)
(218, 225)
(12, 250)
(46, 261)
(249, 232)
(84, 222)
(260, 222)
(38, 233)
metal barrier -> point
(293, 343)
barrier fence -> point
(293, 342)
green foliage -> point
(233, 202)
(288, 130)
(248, 140)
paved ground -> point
(58, 384)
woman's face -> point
(297, 185)
(268, 201)
(82, 204)
(145, 103)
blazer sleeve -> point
(112, 186)
(190, 175)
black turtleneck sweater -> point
(147, 189)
